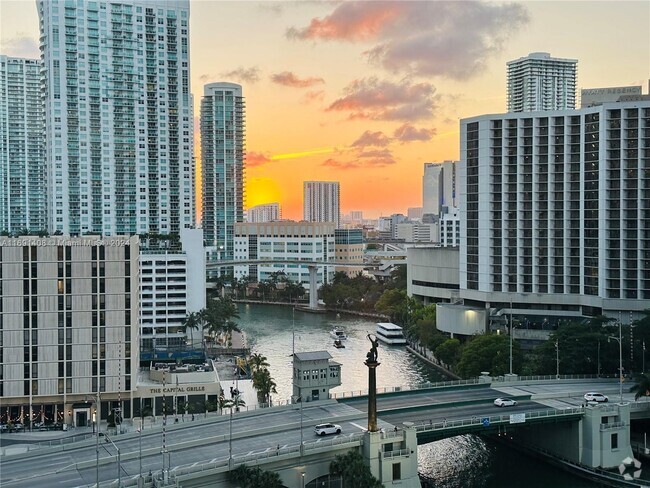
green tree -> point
(351, 467)
(448, 352)
(208, 406)
(257, 361)
(217, 317)
(264, 384)
(641, 386)
(193, 321)
(393, 302)
(488, 352)
(246, 477)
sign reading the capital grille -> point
(177, 389)
(517, 418)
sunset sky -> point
(366, 92)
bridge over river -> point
(550, 414)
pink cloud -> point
(287, 78)
(372, 139)
(443, 38)
(374, 99)
(254, 159)
(408, 133)
(314, 96)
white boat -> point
(338, 334)
(390, 334)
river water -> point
(458, 462)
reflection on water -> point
(459, 462)
(273, 332)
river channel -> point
(458, 462)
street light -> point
(302, 449)
(620, 358)
(557, 359)
(95, 415)
(119, 460)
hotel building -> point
(555, 219)
(68, 327)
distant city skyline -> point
(308, 119)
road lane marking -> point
(358, 426)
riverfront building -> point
(285, 240)
(69, 320)
(119, 111)
(556, 215)
(264, 213)
(540, 82)
(222, 159)
(348, 249)
(321, 202)
(22, 150)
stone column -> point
(313, 287)
(372, 395)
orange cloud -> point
(372, 139)
(287, 78)
(353, 21)
(254, 159)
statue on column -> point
(372, 354)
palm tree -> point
(353, 470)
(218, 317)
(257, 361)
(642, 386)
(264, 384)
(207, 405)
(193, 320)
(223, 402)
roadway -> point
(207, 440)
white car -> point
(324, 429)
(505, 402)
(592, 396)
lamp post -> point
(119, 461)
(620, 358)
(230, 441)
(96, 416)
(557, 359)
(301, 433)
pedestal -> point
(372, 395)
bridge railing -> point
(396, 389)
(268, 453)
(555, 377)
(497, 419)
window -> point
(397, 471)
(614, 441)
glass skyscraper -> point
(118, 112)
(22, 156)
(222, 165)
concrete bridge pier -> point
(313, 287)
(393, 456)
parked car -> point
(18, 427)
(324, 429)
(4, 427)
(505, 402)
(593, 396)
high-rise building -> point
(439, 187)
(590, 97)
(222, 159)
(119, 111)
(69, 319)
(264, 213)
(321, 202)
(540, 82)
(348, 250)
(556, 211)
(22, 152)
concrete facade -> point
(305, 241)
(432, 273)
(348, 249)
(556, 213)
(69, 320)
(314, 374)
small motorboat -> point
(338, 344)
(338, 334)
